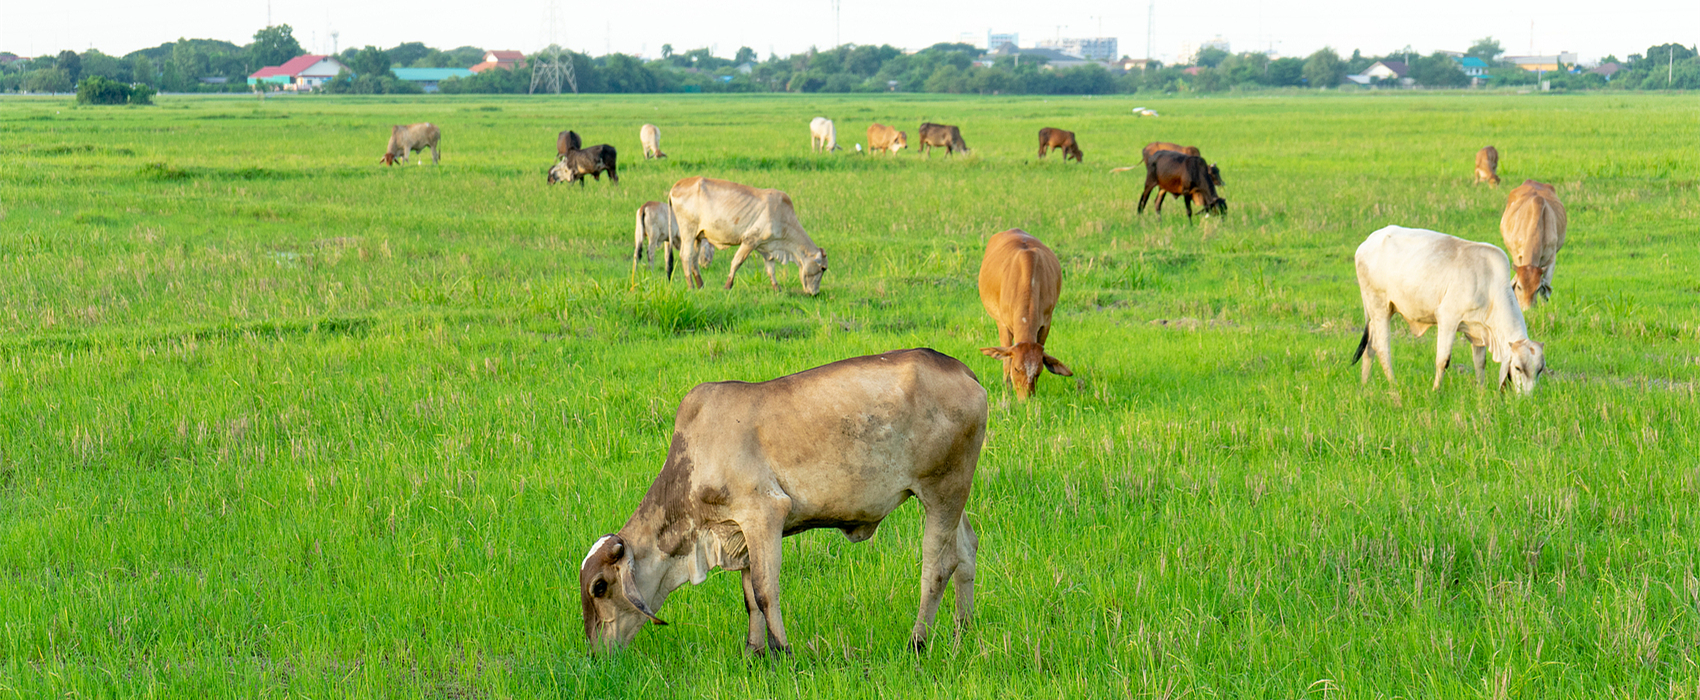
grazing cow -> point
(651, 138)
(1155, 146)
(823, 136)
(1433, 279)
(655, 229)
(941, 136)
(1487, 166)
(1533, 228)
(1186, 177)
(885, 138)
(838, 446)
(1020, 281)
(726, 214)
(1058, 139)
(406, 138)
(575, 163)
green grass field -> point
(277, 421)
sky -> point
(640, 27)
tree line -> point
(189, 65)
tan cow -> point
(405, 138)
(1487, 166)
(727, 214)
(651, 137)
(1533, 228)
(1437, 280)
(885, 138)
(1020, 282)
(655, 229)
(838, 446)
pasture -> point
(278, 421)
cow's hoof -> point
(728, 284)
(918, 644)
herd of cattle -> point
(842, 445)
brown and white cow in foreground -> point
(1487, 166)
(651, 138)
(886, 138)
(1020, 282)
(1433, 279)
(838, 446)
(823, 136)
(1533, 228)
(655, 229)
(411, 138)
(727, 214)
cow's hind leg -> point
(613, 175)
(967, 545)
(1478, 355)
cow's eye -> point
(599, 589)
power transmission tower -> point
(550, 71)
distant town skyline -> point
(774, 26)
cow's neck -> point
(1504, 324)
(672, 543)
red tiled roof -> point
(291, 67)
(505, 56)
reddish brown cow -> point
(1020, 281)
(1184, 176)
(1056, 139)
(1487, 166)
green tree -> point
(72, 64)
(745, 55)
(1324, 69)
(1210, 57)
(1438, 70)
(1486, 48)
(47, 80)
(409, 53)
(191, 63)
(1285, 72)
(666, 50)
(142, 71)
(370, 61)
(273, 46)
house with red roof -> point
(301, 73)
(500, 59)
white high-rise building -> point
(994, 39)
(1092, 49)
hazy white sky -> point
(1587, 27)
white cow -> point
(651, 138)
(1433, 279)
(729, 215)
(656, 229)
(823, 136)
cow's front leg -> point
(738, 260)
(770, 277)
(1478, 353)
(757, 641)
(763, 528)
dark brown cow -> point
(941, 136)
(575, 163)
(1184, 176)
(1055, 139)
(839, 446)
(1020, 282)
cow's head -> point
(561, 173)
(902, 141)
(1527, 283)
(811, 268)
(388, 159)
(1524, 366)
(1215, 175)
(614, 610)
(1022, 365)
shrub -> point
(98, 90)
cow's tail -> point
(1123, 170)
(672, 235)
(1363, 344)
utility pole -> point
(1670, 67)
(1150, 31)
(837, 23)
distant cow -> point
(575, 163)
(1533, 228)
(1433, 279)
(411, 138)
(1155, 146)
(823, 136)
(1055, 139)
(1020, 282)
(727, 214)
(1487, 166)
(885, 138)
(838, 446)
(941, 136)
(651, 138)
(656, 229)
(1186, 177)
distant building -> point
(1542, 63)
(1128, 64)
(1607, 70)
(500, 59)
(1093, 49)
(427, 78)
(1052, 57)
(299, 74)
(1387, 70)
(994, 40)
(1472, 66)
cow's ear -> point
(999, 353)
(1057, 367)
